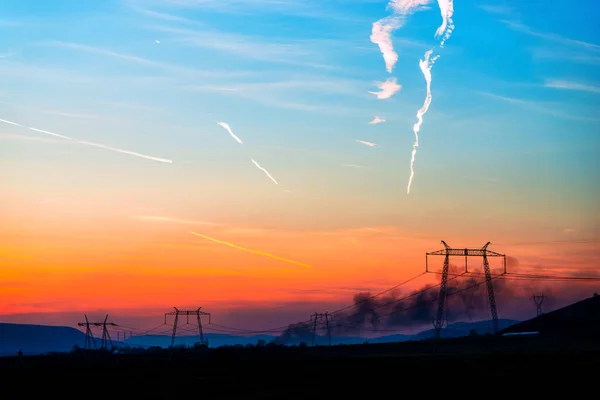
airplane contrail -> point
(447, 26)
(265, 171)
(131, 153)
(366, 143)
(235, 246)
(425, 65)
(228, 128)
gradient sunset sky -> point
(509, 152)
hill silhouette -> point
(40, 339)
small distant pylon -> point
(105, 334)
(538, 300)
(89, 336)
(321, 316)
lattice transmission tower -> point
(538, 300)
(448, 252)
(89, 336)
(198, 315)
(320, 316)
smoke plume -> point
(419, 308)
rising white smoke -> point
(425, 65)
(228, 128)
(123, 151)
(447, 26)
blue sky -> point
(513, 123)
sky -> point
(508, 151)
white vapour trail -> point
(366, 143)
(381, 35)
(387, 88)
(228, 128)
(131, 153)
(425, 65)
(265, 171)
(381, 32)
(447, 26)
(377, 120)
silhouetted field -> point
(481, 367)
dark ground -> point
(465, 368)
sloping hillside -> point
(578, 319)
(36, 339)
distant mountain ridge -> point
(40, 339)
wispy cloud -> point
(289, 94)
(14, 136)
(69, 114)
(570, 85)
(502, 9)
(355, 166)
(139, 60)
(253, 47)
(539, 106)
(134, 106)
(562, 55)
(159, 15)
(299, 8)
(152, 218)
(309, 84)
(549, 36)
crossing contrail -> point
(228, 128)
(265, 171)
(235, 246)
(101, 146)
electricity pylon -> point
(320, 316)
(538, 300)
(198, 315)
(448, 252)
(89, 336)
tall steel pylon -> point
(538, 300)
(89, 336)
(448, 252)
(320, 316)
(198, 315)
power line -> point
(278, 329)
